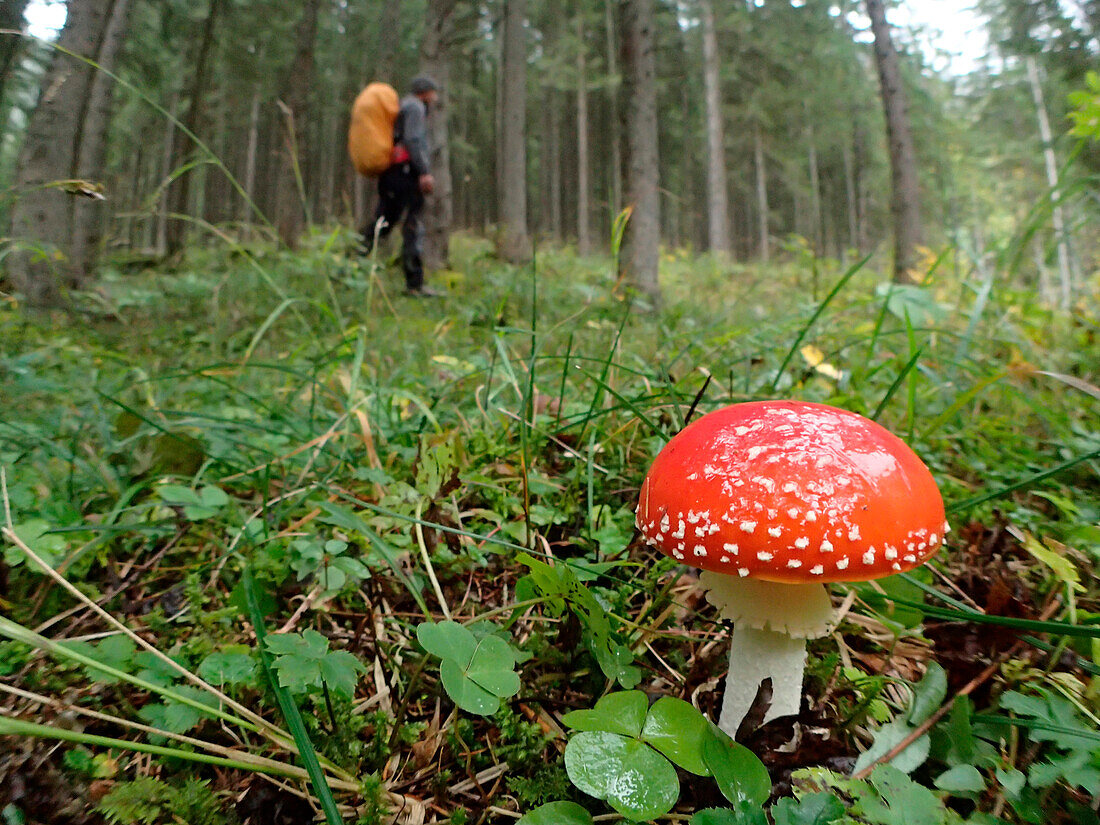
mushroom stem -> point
(756, 655)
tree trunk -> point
(761, 195)
(88, 214)
(615, 161)
(584, 236)
(1065, 269)
(639, 254)
(515, 244)
(435, 60)
(905, 202)
(816, 230)
(11, 19)
(718, 220)
(41, 263)
(248, 180)
(179, 192)
(292, 208)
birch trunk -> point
(718, 220)
(905, 202)
(615, 161)
(584, 237)
(761, 195)
(639, 254)
(1065, 269)
(515, 244)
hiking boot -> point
(425, 292)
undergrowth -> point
(308, 492)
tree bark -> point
(639, 254)
(292, 208)
(42, 263)
(11, 19)
(179, 192)
(515, 244)
(584, 236)
(435, 60)
(615, 161)
(1058, 220)
(905, 202)
(89, 214)
(761, 195)
(718, 220)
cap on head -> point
(422, 84)
(790, 491)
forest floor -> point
(320, 550)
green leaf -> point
(304, 662)
(743, 814)
(813, 809)
(464, 692)
(35, 534)
(678, 730)
(928, 694)
(961, 779)
(890, 736)
(623, 712)
(557, 813)
(635, 780)
(737, 770)
(897, 800)
(475, 673)
(231, 666)
(1012, 780)
(176, 717)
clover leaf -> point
(635, 780)
(557, 813)
(476, 673)
(197, 505)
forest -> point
(714, 439)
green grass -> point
(518, 414)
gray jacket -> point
(411, 130)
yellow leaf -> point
(816, 359)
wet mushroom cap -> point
(791, 491)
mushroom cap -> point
(791, 491)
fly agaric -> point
(772, 499)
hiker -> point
(402, 187)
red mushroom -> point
(773, 499)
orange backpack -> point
(370, 137)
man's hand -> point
(427, 184)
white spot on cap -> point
(700, 550)
(811, 515)
(793, 512)
(665, 523)
(775, 532)
(692, 477)
(678, 554)
(730, 548)
(869, 556)
(842, 563)
(802, 543)
(725, 559)
(790, 487)
(764, 556)
(933, 539)
(659, 537)
(896, 566)
(754, 452)
(910, 558)
(765, 482)
(817, 569)
(794, 563)
(890, 552)
(826, 546)
(853, 533)
(946, 528)
(679, 532)
(742, 571)
(747, 526)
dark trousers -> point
(399, 195)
